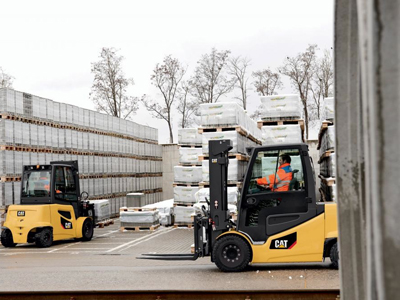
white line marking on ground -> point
(148, 239)
(54, 250)
(139, 239)
(108, 233)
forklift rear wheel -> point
(7, 238)
(87, 230)
(334, 256)
(231, 253)
(44, 238)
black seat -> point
(294, 183)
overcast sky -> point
(48, 46)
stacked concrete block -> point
(326, 147)
(281, 121)
(280, 106)
(139, 218)
(115, 156)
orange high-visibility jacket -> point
(280, 183)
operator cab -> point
(57, 183)
(285, 202)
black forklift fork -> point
(201, 243)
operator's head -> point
(284, 159)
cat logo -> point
(285, 242)
(68, 225)
(20, 213)
(281, 244)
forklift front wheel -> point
(231, 253)
(7, 238)
(44, 238)
(334, 256)
(87, 230)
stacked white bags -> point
(281, 134)
(185, 195)
(189, 136)
(145, 218)
(239, 142)
(102, 210)
(278, 106)
(187, 174)
(228, 114)
(189, 156)
(236, 170)
(183, 214)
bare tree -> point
(237, 69)
(210, 80)
(300, 70)
(186, 107)
(166, 77)
(322, 83)
(267, 82)
(109, 89)
(6, 80)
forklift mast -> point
(218, 165)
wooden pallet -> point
(105, 223)
(238, 156)
(238, 184)
(281, 121)
(326, 154)
(180, 224)
(183, 204)
(185, 184)
(237, 128)
(198, 164)
(137, 209)
(189, 146)
(140, 228)
(10, 178)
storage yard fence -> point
(115, 156)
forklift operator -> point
(280, 182)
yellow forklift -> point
(273, 226)
(51, 208)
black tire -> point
(44, 238)
(231, 253)
(334, 256)
(87, 230)
(7, 238)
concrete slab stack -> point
(281, 121)
(326, 147)
(115, 156)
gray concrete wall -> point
(170, 158)
(367, 76)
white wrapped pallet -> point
(228, 114)
(236, 170)
(332, 165)
(281, 134)
(187, 174)
(189, 136)
(233, 195)
(278, 106)
(102, 210)
(329, 108)
(139, 218)
(185, 195)
(183, 214)
(189, 155)
(239, 142)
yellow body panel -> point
(331, 228)
(37, 216)
(309, 245)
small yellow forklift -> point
(51, 207)
(272, 226)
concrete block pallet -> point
(115, 156)
(327, 160)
